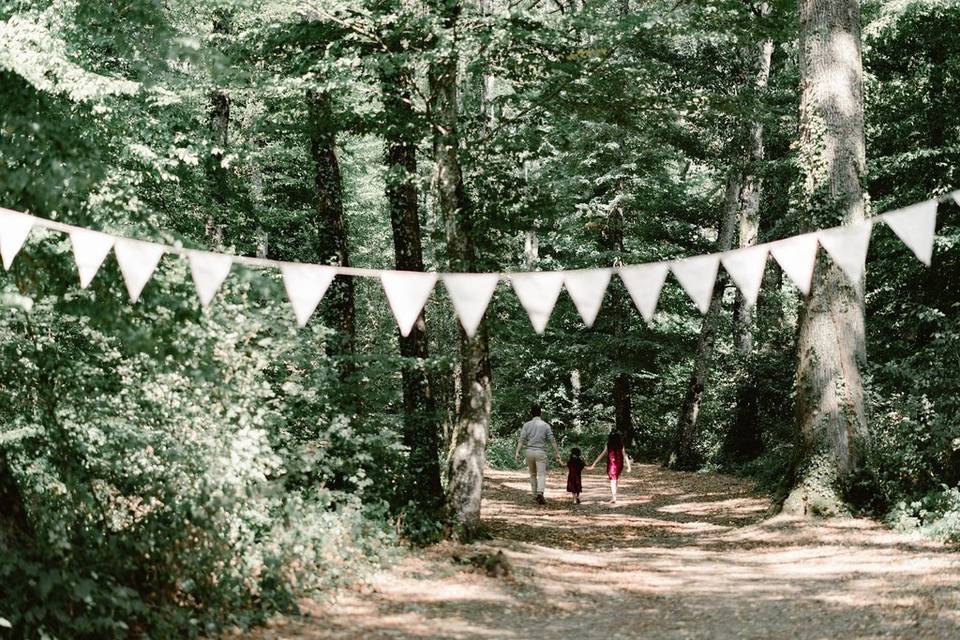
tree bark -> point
(218, 118)
(13, 513)
(684, 454)
(831, 345)
(612, 240)
(420, 420)
(743, 440)
(337, 308)
(749, 218)
(472, 425)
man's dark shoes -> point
(540, 499)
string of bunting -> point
(407, 291)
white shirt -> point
(535, 433)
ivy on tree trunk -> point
(831, 345)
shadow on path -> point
(681, 555)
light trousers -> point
(537, 464)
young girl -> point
(616, 457)
(575, 467)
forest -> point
(175, 467)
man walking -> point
(535, 434)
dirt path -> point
(681, 556)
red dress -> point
(614, 464)
(574, 469)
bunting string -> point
(407, 292)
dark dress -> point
(574, 469)
(614, 464)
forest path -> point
(681, 556)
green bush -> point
(937, 514)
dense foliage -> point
(166, 470)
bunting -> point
(407, 293)
(305, 285)
(14, 229)
(209, 270)
(586, 288)
(797, 256)
(137, 260)
(90, 249)
(470, 293)
(915, 226)
(745, 267)
(848, 247)
(644, 283)
(538, 292)
(697, 276)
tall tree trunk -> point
(218, 118)
(743, 440)
(613, 241)
(831, 345)
(684, 454)
(749, 218)
(14, 522)
(474, 406)
(329, 223)
(420, 421)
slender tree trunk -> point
(831, 345)
(329, 222)
(622, 402)
(474, 406)
(749, 218)
(218, 118)
(248, 118)
(421, 430)
(684, 454)
(13, 513)
(743, 440)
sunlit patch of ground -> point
(679, 556)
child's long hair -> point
(575, 454)
(614, 442)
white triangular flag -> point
(916, 226)
(847, 246)
(470, 294)
(14, 229)
(305, 285)
(746, 267)
(697, 276)
(586, 288)
(538, 292)
(90, 249)
(797, 256)
(644, 282)
(209, 270)
(407, 292)
(137, 261)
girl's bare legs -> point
(613, 491)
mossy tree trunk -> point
(472, 425)
(337, 308)
(743, 440)
(218, 118)
(421, 431)
(684, 454)
(831, 347)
